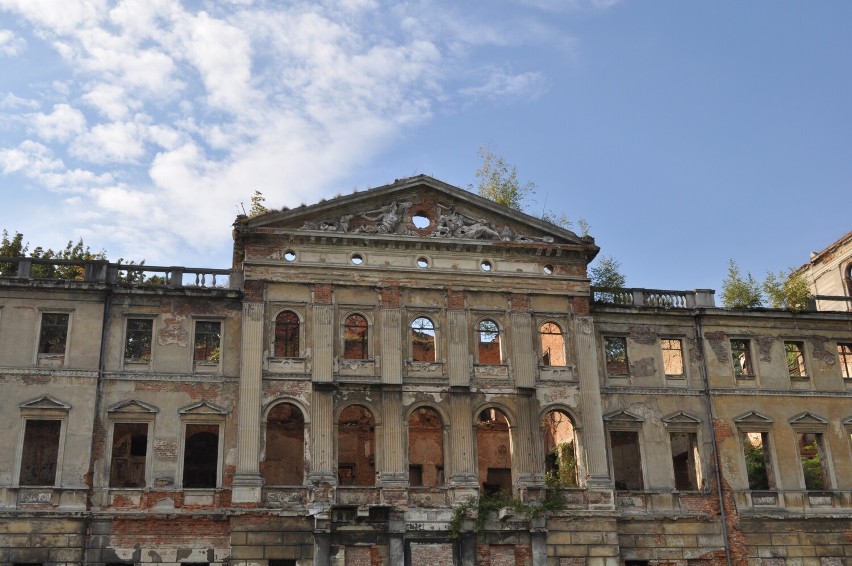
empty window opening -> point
(54, 333)
(812, 457)
(423, 340)
(672, 356)
(421, 221)
(287, 335)
(494, 451)
(844, 355)
(356, 446)
(489, 342)
(794, 353)
(355, 338)
(357, 259)
(129, 454)
(615, 349)
(137, 343)
(758, 460)
(741, 358)
(685, 461)
(290, 255)
(560, 448)
(201, 456)
(208, 336)
(422, 262)
(285, 446)
(626, 460)
(486, 265)
(425, 448)
(548, 269)
(40, 452)
(552, 345)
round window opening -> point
(357, 259)
(486, 265)
(290, 255)
(421, 221)
(422, 262)
(548, 269)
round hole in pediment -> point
(290, 255)
(357, 259)
(548, 269)
(486, 265)
(422, 262)
(421, 221)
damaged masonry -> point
(415, 375)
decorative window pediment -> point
(132, 406)
(681, 418)
(203, 408)
(623, 417)
(808, 418)
(753, 418)
(45, 402)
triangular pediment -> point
(681, 417)
(45, 402)
(132, 406)
(203, 408)
(416, 207)
(622, 417)
(753, 417)
(807, 418)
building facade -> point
(409, 375)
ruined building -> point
(375, 364)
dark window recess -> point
(615, 348)
(355, 338)
(54, 333)
(137, 345)
(200, 456)
(40, 453)
(741, 358)
(626, 460)
(285, 446)
(415, 475)
(794, 352)
(129, 452)
(282, 563)
(208, 335)
(287, 335)
(356, 446)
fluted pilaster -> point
(524, 357)
(322, 435)
(247, 480)
(323, 343)
(590, 400)
(391, 346)
(458, 360)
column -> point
(322, 435)
(247, 480)
(393, 446)
(462, 456)
(590, 402)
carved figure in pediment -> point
(457, 225)
(341, 225)
(386, 219)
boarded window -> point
(687, 466)
(137, 343)
(423, 340)
(672, 356)
(425, 448)
(208, 336)
(40, 452)
(626, 459)
(494, 451)
(285, 446)
(741, 358)
(812, 457)
(54, 333)
(356, 446)
(615, 348)
(201, 456)
(355, 338)
(794, 353)
(129, 453)
(287, 335)
(560, 448)
(844, 356)
(489, 342)
(758, 460)
(552, 345)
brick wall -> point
(432, 554)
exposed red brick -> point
(391, 295)
(580, 306)
(254, 290)
(323, 294)
(519, 302)
(455, 299)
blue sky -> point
(685, 133)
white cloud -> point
(61, 124)
(111, 100)
(37, 162)
(500, 84)
(11, 44)
(12, 102)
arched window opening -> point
(201, 456)
(287, 335)
(285, 446)
(560, 449)
(552, 345)
(356, 446)
(494, 451)
(355, 338)
(425, 448)
(489, 342)
(423, 340)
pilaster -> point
(322, 435)
(247, 480)
(462, 458)
(524, 358)
(323, 343)
(393, 446)
(590, 401)
(391, 345)
(458, 360)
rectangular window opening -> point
(129, 454)
(741, 358)
(208, 335)
(758, 460)
(672, 356)
(626, 460)
(415, 475)
(794, 352)
(54, 333)
(685, 461)
(201, 456)
(616, 355)
(137, 343)
(40, 452)
(812, 457)
(844, 355)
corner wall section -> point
(45, 540)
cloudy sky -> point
(685, 133)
